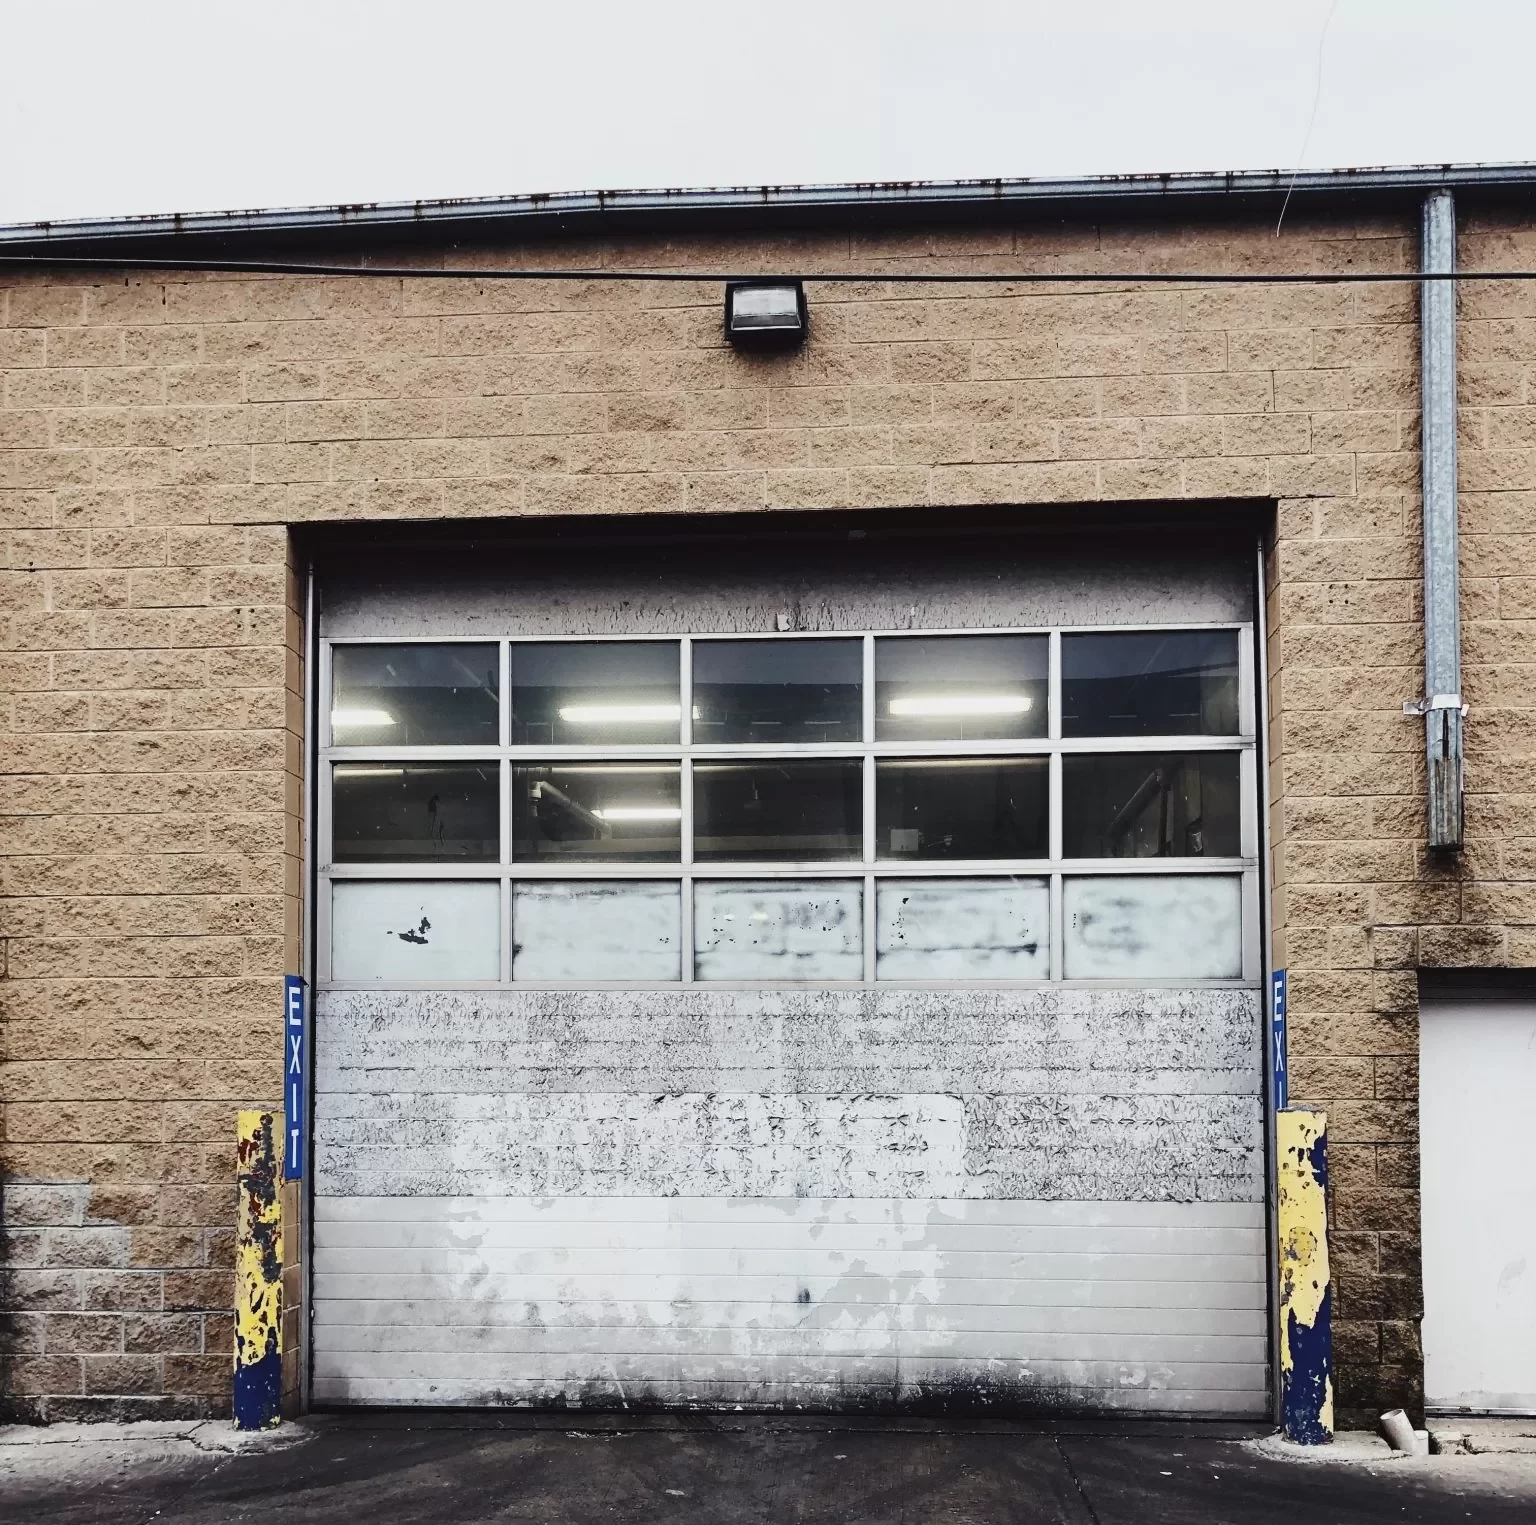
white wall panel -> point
(1477, 1151)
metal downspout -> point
(1441, 706)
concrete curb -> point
(211, 1436)
(1349, 1447)
(1483, 1437)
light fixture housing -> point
(766, 315)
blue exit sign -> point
(1278, 1039)
(293, 1078)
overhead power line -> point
(834, 277)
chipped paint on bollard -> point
(258, 1274)
(1306, 1292)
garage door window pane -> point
(811, 929)
(596, 930)
(444, 929)
(777, 691)
(1153, 927)
(594, 693)
(394, 812)
(793, 810)
(1149, 683)
(415, 696)
(961, 687)
(1151, 805)
(962, 807)
(596, 812)
(962, 929)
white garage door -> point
(1477, 1075)
(836, 995)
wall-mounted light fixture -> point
(765, 314)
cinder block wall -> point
(160, 433)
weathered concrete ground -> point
(400, 1469)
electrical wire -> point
(824, 277)
(1317, 96)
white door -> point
(1478, 1169)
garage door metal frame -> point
(1255, 795)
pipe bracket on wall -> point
(1443, 710)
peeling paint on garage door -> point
(849, 1198)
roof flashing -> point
(593, 212)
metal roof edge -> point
(568, 210)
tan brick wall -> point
(160, 433)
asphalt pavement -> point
(410, 1468)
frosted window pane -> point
(610, 930)
(389, 929)
(809, 929)
(962, 929)
(1165, 927)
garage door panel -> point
(352, 1095)
(640, 1371)
(630, 1236)
(738, 1244)
(603, 1267)
(1196, 1390)
(514, 1352)
(1152, 1034)
(437, 1324)
(911, 584)
(972, 1138)
(1243, 1401)
(1005, 1292)
(581, 1214)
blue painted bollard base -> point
(259, 1393)
(1307, 1388)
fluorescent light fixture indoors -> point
(937, 706)
(618, 714)
(361, 717)
(639, 813)
(608, 769)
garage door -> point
(1477, 1074)
(749, 985)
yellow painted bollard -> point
(1306, 1292)
(258, 1274)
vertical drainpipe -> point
(307, 965)
(1441, 705)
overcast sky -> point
(112, 108)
